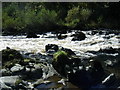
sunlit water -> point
(37, 45)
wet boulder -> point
(69, 51)
(109, 50)
(75, 61)
(63, 62)
(97, 71)
(80, 78)
(60, 59)
(51, 46)
(10, 55)
(79, 36)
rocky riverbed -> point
(33, 66)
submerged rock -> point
(94, 32)
(79, 36)
(69, 51)
(109, 50)
(51, 46)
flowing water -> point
(37, 45)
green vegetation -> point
(22, 17)
(60, 55)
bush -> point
(17, 20)
(73, 17)
(77, 16)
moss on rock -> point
(60, 59)
(11, 56)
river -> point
(37, 45)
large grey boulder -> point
(3, 86)
(5, 72)
(17, 68)
(8, 81)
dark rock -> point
(101, 32)
(63, 31)
(51, 46)
(33, 71)
(69, 51)
(75, 61)
(60, 59)
(97, 71)
(32, 35)
(10, 54)
(109, 50)
(80, 78)
(37, 73)
(7, 47)
(79, 36)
